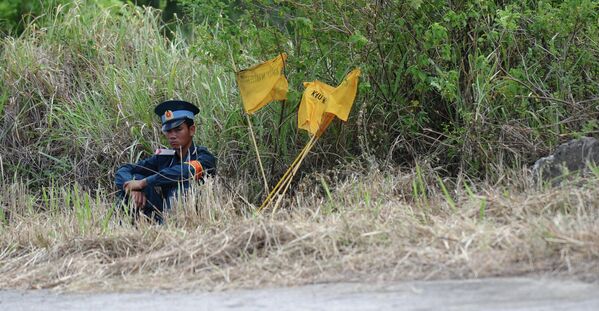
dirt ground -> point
(479, 294)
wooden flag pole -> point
(253, 137)
(346, 92)
(257, 153)
(310, 144)
(286, 179)
(282, 180)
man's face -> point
(180, 137)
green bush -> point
(472, 86)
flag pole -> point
(310, 144)
(253, 137)
(286, 179)
(257, 153)
(283, 105)
(282, 180)
(346, 93)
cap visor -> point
(172, 124)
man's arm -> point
(170, 175)
(137, 171)
(130, 180)
(135, 177)
(184, 171)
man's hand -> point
(139, 198)
(135, 185)
(134, 189)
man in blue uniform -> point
(150, 184)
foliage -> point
(16, 14)
(458, 87)
(12, 11)
(78, 92)
(470, 86)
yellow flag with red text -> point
(262, 84)
(320, 102)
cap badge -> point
(168, 115)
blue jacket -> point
(167, 170)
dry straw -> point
(368, 227)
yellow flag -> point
(262, 84)
(321, 101)
(344, 95)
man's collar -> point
(192, 150)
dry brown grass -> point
(371, 227)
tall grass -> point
(78, 90)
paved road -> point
(483, 294)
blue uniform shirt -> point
(166, 172)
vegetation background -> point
(457, 99)
(469, 87)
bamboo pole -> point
(257, 153)
(266, 189)
(285, 181)
(311, 144)
(281, 115)
(282, 180)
